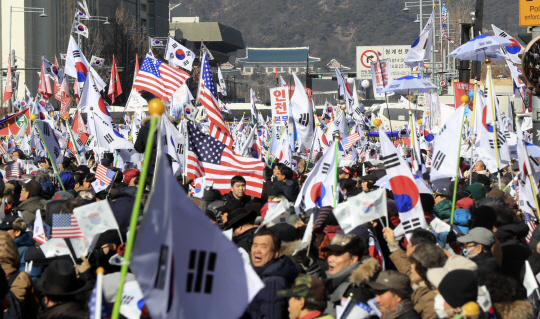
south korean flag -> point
(178, 55)
(403, 186)
(446, 147)
(79, 28)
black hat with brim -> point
(60, 279)
(234, 217)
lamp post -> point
(11, 10)
(105, 21)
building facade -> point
(285, 60)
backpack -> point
(14, 311)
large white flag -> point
(283, 152)
(446, 146)
(320, 187)
(513, 51)
(179, 55)
(184, 264)
(222, 88)
(174, 142)
(135, 102)
(360, 209)
(303, 114)
(77, 66)
(50, 142)
(529, 281)
(421, 48)
(406, 193)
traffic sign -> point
(529, 13)
(529, 63)
(442, 83)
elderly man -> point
(392, 291)
(307, 298)
(277, 273)
(477, 247)
(30, 200)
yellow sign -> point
(529, 13)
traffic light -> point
(334, 78)
(351, 75)
(315, 76)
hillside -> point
(333, 28)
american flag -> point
(374, 249)
(2, 149)
(211, 158)
(65, 226)
(321, 216)
(105, 311)
(349, 141)
(104, 175)
(531, 222)
(14, 170)
(208, 98)
(159, 78)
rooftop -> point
(279, 55)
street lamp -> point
(105, 20)
(25, 10)
(406, 9)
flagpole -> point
(336, 145)
(490, 89)
(457, 169)
(155, 111)
(47, 149)
(473, 134)
(99, 293)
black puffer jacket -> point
(278, 274)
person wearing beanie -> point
(425, 256)
(456, 289)
(478, 191)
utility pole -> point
(477, 27)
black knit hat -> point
(459, 287)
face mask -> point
(466, 253)
(438, 305)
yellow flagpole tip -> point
(156, 107)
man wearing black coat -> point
(290, 187)
(277, 273)
(477, 247)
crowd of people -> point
(475, 269)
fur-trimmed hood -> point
(288, 248)
(518, 309)
(365, 271)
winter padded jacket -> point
(278, 274)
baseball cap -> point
(479, 235)
(7, 222)
(369, 178)
(436, 275)
(305, 286)
(346, 170)
(60, 195)
(33, 187)
(442, 187)
(339, 243)
(392, 280)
